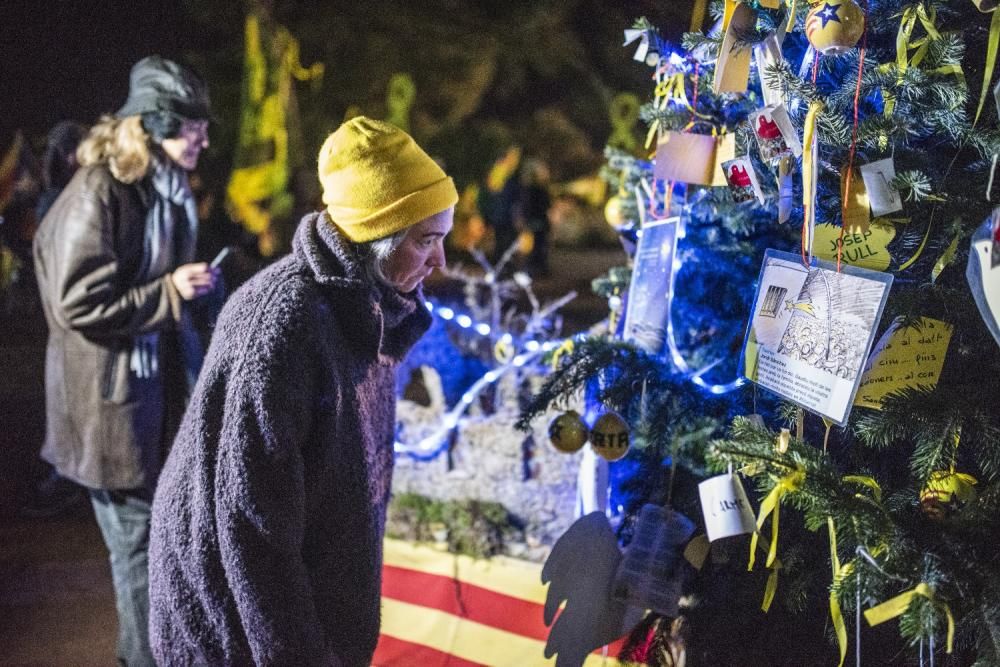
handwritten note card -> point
(904, 357)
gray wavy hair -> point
(374, 254)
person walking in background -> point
(114, 263)
(53, 494)
(59, 162)
(499, 196)
(268, 521)
(534, 210)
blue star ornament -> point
(828, 13)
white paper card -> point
(884, 199)
(826, 329)
(725, 507)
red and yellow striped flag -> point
(444, 610)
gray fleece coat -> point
(268, 520)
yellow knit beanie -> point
(377, 181)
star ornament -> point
(828, 13)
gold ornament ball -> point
(946, 492)
(609, 436)
(613, 212)
(834, 26)
(568, 432)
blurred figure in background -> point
(534, 210)
(114, 263)
(498, 200)
(54, 494)
(59, 162)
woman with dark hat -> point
(113, 258)
(269, 517)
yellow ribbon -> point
(836, 615)
(904, 44)
(623, 113)
(946, 258)
(991, 61)
(890, 609)
(698, 15)
(809, 173)
(503, 350)
(565, 348)
(864, 480)
(791, 16)
(771, 587)
(399, 99)
(772, 503)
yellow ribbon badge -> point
(896, 606)
(772, 503)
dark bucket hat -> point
(158, 84)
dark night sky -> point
(71, 58)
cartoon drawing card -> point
(811, 329)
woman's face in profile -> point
(185, 148)
(420, 252)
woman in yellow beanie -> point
(268, 520)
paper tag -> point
(725, 507)
(855, 207)
(883, 198)
(868, 250)
(742, 180)
(983, 275)
(732, 69)
(786, 191)
(693, 158)
(630, 36)
(765, 54)
(775, 133)
(903, 358)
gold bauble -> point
(609, 436)
(613, 212)
(568, 432)
(835, 26)
(946, 492)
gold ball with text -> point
(610, 436)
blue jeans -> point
(123, 517)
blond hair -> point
(121, 143)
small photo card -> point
(811, 329)
(647, 311)
(884, 198)
(776, 136)
(742, 180)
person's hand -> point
(194, 280)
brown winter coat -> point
(104, 426)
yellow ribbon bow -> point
(896, 606)
(772, 503)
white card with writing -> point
(725, 507)
(883, 197)
(827, 328)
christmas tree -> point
(862, 138)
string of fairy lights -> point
(433, 444)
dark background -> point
(542, 71)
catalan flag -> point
(445, 610)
